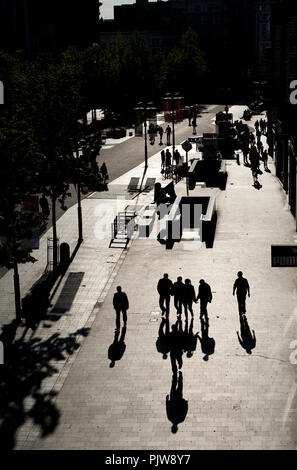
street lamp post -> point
(145, 107)
(173, 97)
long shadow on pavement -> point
(26, 365)
(247, 340)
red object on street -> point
(31, 204)
(178, 107)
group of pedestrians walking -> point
(168, 160)
(253, 149)
(184, 295)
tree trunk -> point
(55, 240)
(17, 291)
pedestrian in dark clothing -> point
(161, 132)
(189, 297)
(121, 304)
(176, 156)
(265, 159)
(176, 405)
(205, 296)
(104, 173)
(168, 133)
(257, 125)
(168, 158)
(163, 159)
(164, 288)
(178, 292)
(241, 286)
(176, 348)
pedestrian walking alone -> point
(205, 297)
(168, 133)
(161, 132)
(104, 173)
(242, 288)
(164, 289)
(121, 304)
(163, 159)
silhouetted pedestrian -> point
(121, 304)
(205, 296)
(163, 159)
(164, 288)
(168, 158)
(104, 173)
(175, 348)
(178, 292)
(189, 297)
(161, 132)
(168, 134)
(176, 405)
(241, 286)
(176, 157)
(265, 158)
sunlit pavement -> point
(235, 400)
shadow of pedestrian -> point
(247, 340)
(27, 363)
(207, 343)
(117, 348)
(162, 343)
(190, 340)
(176, 405)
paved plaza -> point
(235, 400)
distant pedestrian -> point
(176, 156)
(226, 109)
(104, 173)
(241, 287)
(161, 132)
(168, 158)
(121, 304)
(189, 297)
(164, 289)
(265, 158)
(257, 125)
(178, 292)
(163, 159)
(168, 133)
(194, 125)
(205, 297)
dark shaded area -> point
(176, 405)
(67, 295)
(247, 340)
(118, 347)
(27, 365)
(207, 343)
